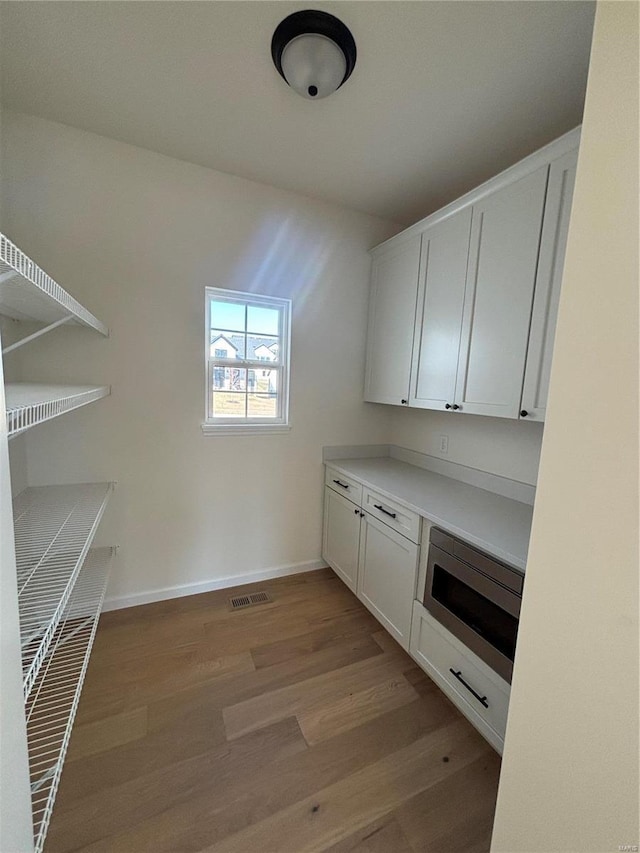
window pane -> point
(228, 404)
(264, 321)
(266, 382)
(228, 378)
(262, 406)
(228, 392)
(226, 344)
(262, 348)
(226, 315)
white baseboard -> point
(118, 602)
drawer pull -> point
(385, 511)
(481, 699)
(338, 483)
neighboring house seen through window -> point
(244, 332)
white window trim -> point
(253, 426)
(244, 429)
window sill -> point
(244, 429)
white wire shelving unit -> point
(54, 527)
(53, 701)
(29, 404)
(28, 293)
(55, 605)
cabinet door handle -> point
(455, 407)
(481, 699)
(385, 511)
(357, 511)
(404, 402)
(338, 483)
(361, 515)
(524, 413)
(447, 405)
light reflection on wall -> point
(287, 257)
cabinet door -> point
(445, 249)
(555, 228)
(503, 256)
(394, 285)
(387, 576)
(341, 537)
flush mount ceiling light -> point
(314, 52)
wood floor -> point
(297, 725)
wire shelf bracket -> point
(54, 527)
(28, 338)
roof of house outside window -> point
(254, 342)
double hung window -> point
(247, 361)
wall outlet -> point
(444, 444)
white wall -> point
(570, 771)
(508, 448)
(137, 236)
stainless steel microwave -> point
(476, 597)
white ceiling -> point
(444, 94)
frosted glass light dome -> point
(313, 65)
(314, 52)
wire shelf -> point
(51, 707)
(54, 527)
(29, 404)
(28, 293)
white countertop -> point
(495, 524)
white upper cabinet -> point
(464, 303)
(503, 258)
(392, 307)
(562, 176)
(438, 324)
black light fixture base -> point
(320, 23)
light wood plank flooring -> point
(297, 725)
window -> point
(247, 362)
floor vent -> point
(239, 602)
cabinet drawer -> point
(343, 485)
(388, 511)
(441, 659)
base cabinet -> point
(376, 562)
(387, 576)
(481, 695)
(386, 571)
(341, 536)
